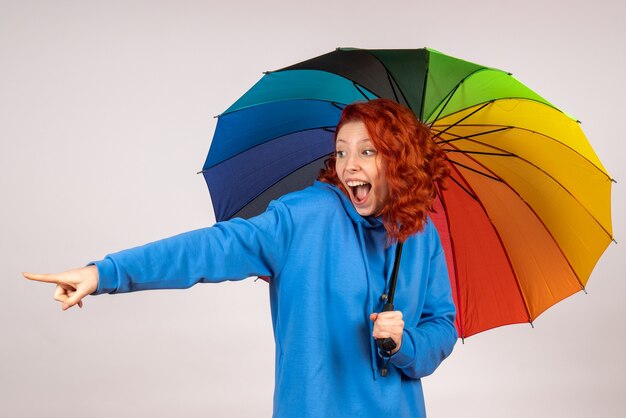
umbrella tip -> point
(531, 324)
(613, 180)
(578, 121)
(614, 240)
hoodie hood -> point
(366, 222)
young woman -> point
(329, 251)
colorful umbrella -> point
(526, 213)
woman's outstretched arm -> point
(231, 250)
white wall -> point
(106, 115)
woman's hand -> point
(388, 325)
(72, 285)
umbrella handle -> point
(386, 344)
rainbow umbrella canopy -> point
(526, 213)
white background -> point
(106, 115)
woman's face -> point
(361, 169)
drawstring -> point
(386, 357)
(370, 302)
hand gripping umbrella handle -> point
(386, 344)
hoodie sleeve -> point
(426, 345)
(231, 250)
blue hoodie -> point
(328, 267)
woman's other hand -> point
(72, 285)
(388, 325)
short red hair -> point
(416, 165)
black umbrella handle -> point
(387, 345)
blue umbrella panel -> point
(275, 138)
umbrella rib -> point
(506, 254)
(447, 101)
(453, 91)
(389, 75)
(282, 99)
(513, 98)
(324, 128)
(424, 86)
(276, 182)
(294, 99)
(462, 119)
(356, 86)
(544, 172)
(463, 188)
(475, 171)
(393, 89)
(495, 154)
(459, 137)
(338, 105)
(501, 98)
(456, 271)
(532, 210)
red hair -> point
(416, 165)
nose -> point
(352, 162)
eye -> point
(369, 152)
(340, 154)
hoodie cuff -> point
(107, 277)
(406, 354)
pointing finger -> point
(47, 278)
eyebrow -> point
(360, 140)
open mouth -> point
(359, 190)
